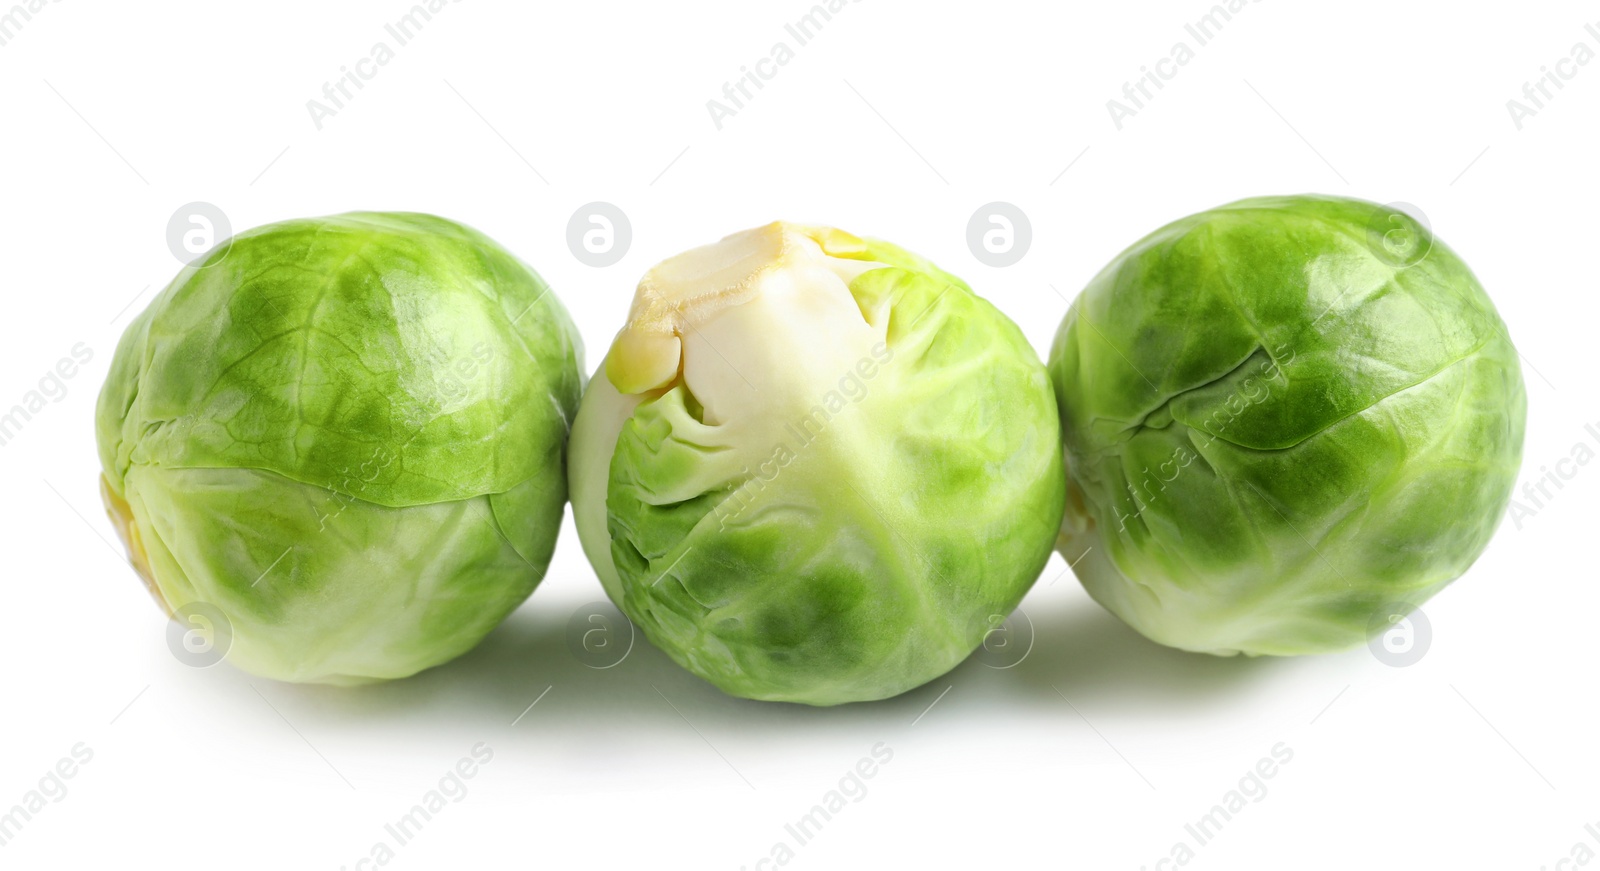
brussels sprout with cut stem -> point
(816, 468)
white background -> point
(898, 120)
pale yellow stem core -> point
(121, 515)
(683, 291)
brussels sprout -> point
(344, 437)
(816, 468)
(1288, 421)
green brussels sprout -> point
(344, 438)
(816, 468)
(1288, 421)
